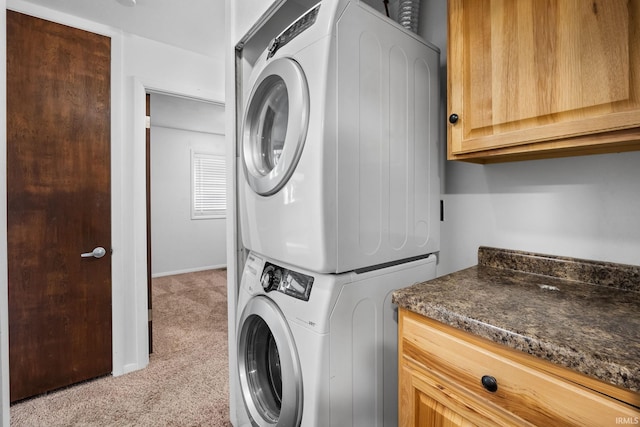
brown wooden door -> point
(59, 204)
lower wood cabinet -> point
(451, 378)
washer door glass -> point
(268, 365)
(275, 125)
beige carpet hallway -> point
(186, 382)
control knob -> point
(270, 279)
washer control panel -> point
(289, 282)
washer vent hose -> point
(409, 14)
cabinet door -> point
(433, 413)
(444, 365)
(541, 72)
(429, 399)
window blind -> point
(209, 184)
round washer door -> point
(268, 365)
(275, 125)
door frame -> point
(148, 166)
(141, 87)
(4, 286)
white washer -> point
(339, 142)
(320, 349)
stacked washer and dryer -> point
(339, 206)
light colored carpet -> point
(186, 382)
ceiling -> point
(195, 25)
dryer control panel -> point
(280, 279)
(292, 31)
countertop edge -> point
(607, 372)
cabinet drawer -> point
(532, 394)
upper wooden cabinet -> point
(534, 79)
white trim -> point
(232, 221)
(190, 130)
(178, 90)
(137, 250)
(118, 222)
(61, 18)
(4, 282)
(188, 270)
(130, 367)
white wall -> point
(180, 244)
(586, 207)
(137, 65)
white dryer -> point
(339, 142)
(319, 349)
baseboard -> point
(188, 270)
(128, 368)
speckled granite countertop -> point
(581, 314)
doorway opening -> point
(179, 130)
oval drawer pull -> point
(490, 383)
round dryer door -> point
(275, 125)
(268, 365)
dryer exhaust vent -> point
(409, 14)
